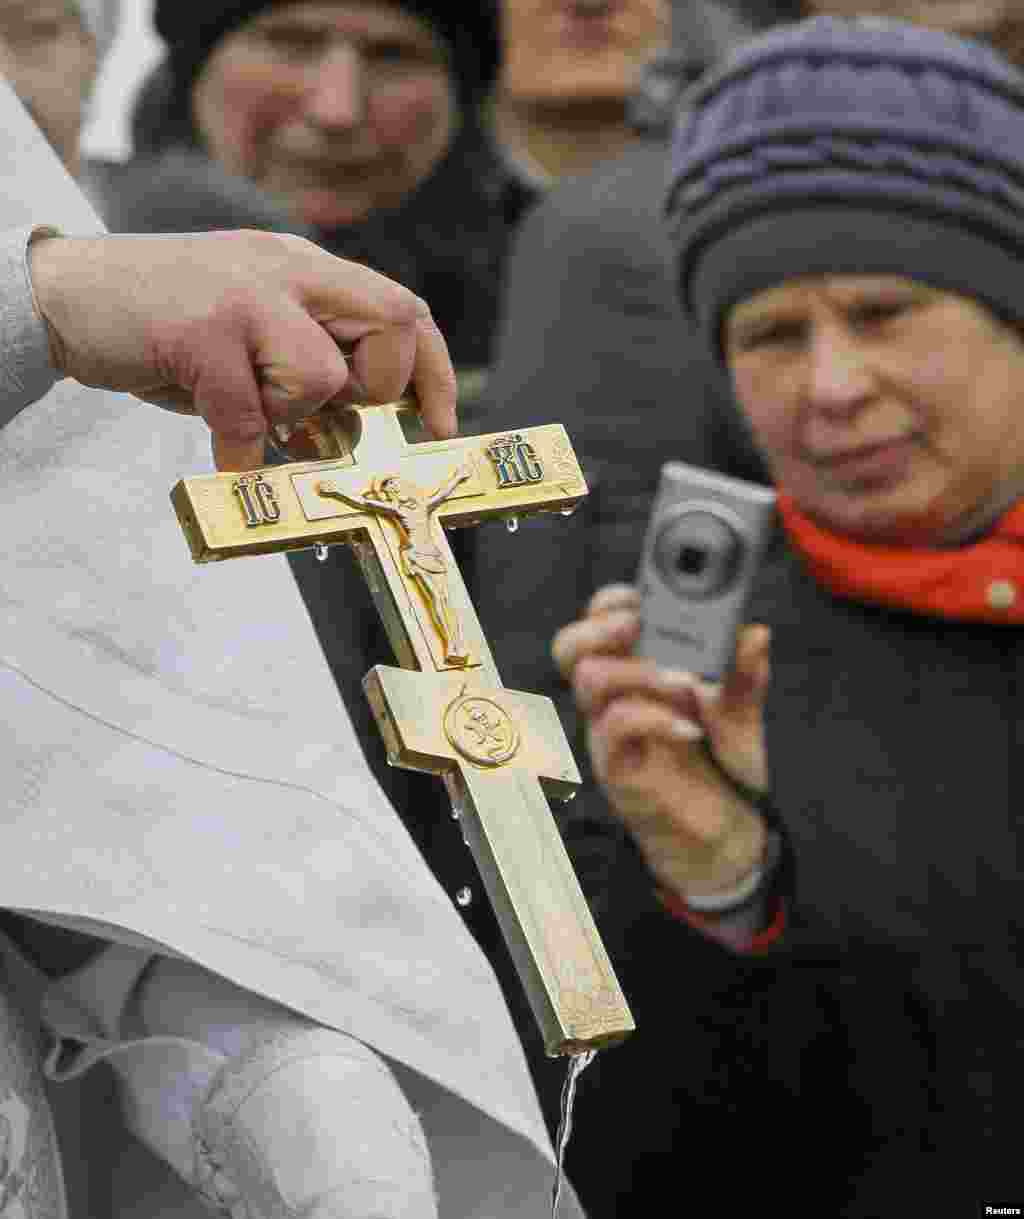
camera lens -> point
(698, 554)
(691, 560)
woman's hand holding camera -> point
(648, 731)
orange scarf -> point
(982, 582)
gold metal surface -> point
(501, 753)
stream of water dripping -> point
(577, 1065)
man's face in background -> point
(339, 107)
(565, 52)
(49, 59)
(998, 22)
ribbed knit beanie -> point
(468, 27)
(850, 147)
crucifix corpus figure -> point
(412, 509)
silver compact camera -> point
(705, 540)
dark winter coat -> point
(871, 1062)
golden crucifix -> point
(422, 559)
(501, 753)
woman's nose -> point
(839, 377)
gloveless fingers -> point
(614, 633)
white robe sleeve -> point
(26, 371)
(36, 191)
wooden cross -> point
(500, 752)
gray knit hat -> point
(850, 147)
(468, 27)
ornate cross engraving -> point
(501, 753)
(257, 500)
(515, 461)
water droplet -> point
(320, 550)
(566, 511)
(512, 524)
(464, 896)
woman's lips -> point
(882, 462)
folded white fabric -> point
(266, 1114)
(31, 1181)
(310, 1122)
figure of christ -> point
(422, 559)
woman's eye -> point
(777, 335)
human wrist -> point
(687, 869)
(736, 858)
(747, 892)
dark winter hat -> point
(850, 147)
(469, 27)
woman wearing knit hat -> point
(848, 213)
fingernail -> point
(686, 730)
(708, 691)
(614, 595)
(675, 681)
(624, 620)
(584, 694)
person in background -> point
(49, 54)
(825, 847)
(568, 71)
(357, 120)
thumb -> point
(230, 454)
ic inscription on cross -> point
(500, 752)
